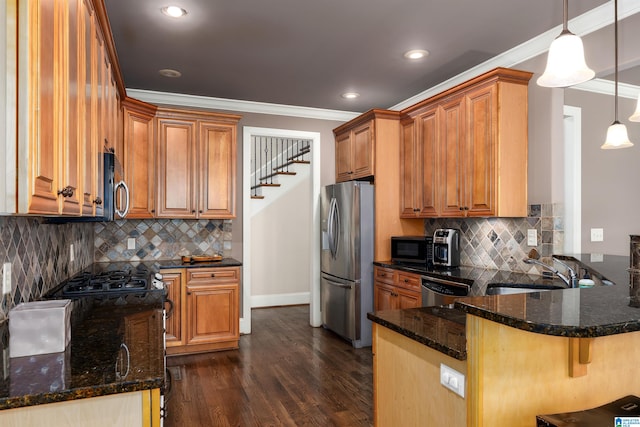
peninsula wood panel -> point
(407, 390)
(536, 366)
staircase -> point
(273, 158)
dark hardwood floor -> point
(285, 373)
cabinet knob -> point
(461, 208)
(153, 211)
(200, 211)
(466, 208)
(213, 274)
(97, 201)
(406, 280)
(66, 191)
(193, 211)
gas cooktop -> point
(109, 279)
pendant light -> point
(617, 136)
(565, 63)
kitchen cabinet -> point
(394, 289)
(368, 146)
(465, 150)
(196, 164)
(355, 152)
(418, 167)
(173, 284)
(207, 307)
(62, 61)
(138, 157)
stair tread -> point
(264, 185)
(257, 197)
(277, 173)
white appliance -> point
(346, 283)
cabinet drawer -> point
(212, 275)
(385, 275)
(409, 281)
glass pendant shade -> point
(617, 137)
(565, 63)
(635, 117)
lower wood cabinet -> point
(393, 289)
(205, 312)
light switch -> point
(597, 235)
(532, 237)
(6, 278)
(131, 243)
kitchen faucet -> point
(571, 281)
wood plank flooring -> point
(285, 373)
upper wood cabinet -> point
(64, 115)
(138, 157)
(464, 151)
(369, 146)
(196, 164)
(355, 156)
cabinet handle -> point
(200, 211)
(466, 208)
(97, 201)
(213, 274)
(66, 191)
(406, 280)
(193, 211)
(188, 292)
(153, 211)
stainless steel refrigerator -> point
(346, 285)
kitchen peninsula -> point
(521, 355)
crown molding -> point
(582, 25)
(210, 103)
(608, 87)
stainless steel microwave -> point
(412, 250)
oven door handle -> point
(171, 306)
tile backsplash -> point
(40, 256)
(160, 239)
(501, 243)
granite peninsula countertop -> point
(586, 313)
(177, 263)
(95, 361)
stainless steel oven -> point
(442, 292)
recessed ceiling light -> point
(174, 11)
(416, 54)
(167, 72)
(350, 95)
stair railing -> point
(273, 156)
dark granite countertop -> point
(177, 263)
(594, 312)
(95, 361)
(440, 328)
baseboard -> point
(280, 299)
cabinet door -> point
(212, 313)
(362, 156)
(139, 163)
(173, 284)
(176, 169)
(344, 170)
(383, 297)
(481, 151)
(90, 179)
(217, 156)
(44, 112)
(452, 140)
(426, 157)
(408, 171)
(408, 299)
(71, 131)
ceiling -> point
(307, 53)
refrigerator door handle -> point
(334, 227)
(339, 285)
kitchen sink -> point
(518, 288)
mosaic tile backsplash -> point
(161, 239)
(501, 243)
(40, 256)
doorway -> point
(572, 125)
(252, 237)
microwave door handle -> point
(124, 187)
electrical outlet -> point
(131, 243)
(452, 379)
(532, 237)
(597, 235)
(72, 255)
(6, 278)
